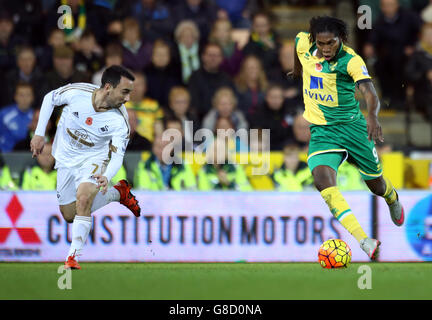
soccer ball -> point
(334, 253)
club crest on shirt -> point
(333, 66)
(318, 67)
(104, 129)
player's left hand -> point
(102, 182)
(374, 129)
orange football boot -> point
(127, 198)
(71, 263)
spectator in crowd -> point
(294, 174)
(237, 140)
(63, 72)
(179, 106)
(113, 56)
(6, 181)
(15, 119)
(232, 55)
(27, 72)
(135, 140)
(349, 178)
(301, 132)
(41, 176)
(392, 41)
(148, 113)
(251, 84)
(56, 39)
(27, 18)
(263, 41)
(219, 173)
(187, 38)
(8, 42)
(426, 13)
(23, 145)
(114, 31)
(208, 79)
(136, 51)
(83, 15)
(155, 19)
(273, 115)
(156, 173)
(77, 17)
(120, 175)
(202, 12)
(259, 140)
(224, 104)
(88, 58)
(172, 122)
(239, 12)
(418, 72)
(161, 73)
(292, 86)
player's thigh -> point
(362, 151)
(324, 167)
(86, 192)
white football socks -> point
(102, 200)
(80, 229)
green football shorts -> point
(331, 145)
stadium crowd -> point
(188, 69)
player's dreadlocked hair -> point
(328, 24)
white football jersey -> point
(82, 133)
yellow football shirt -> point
(329, 86)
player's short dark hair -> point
(328, 24)
(113, 74)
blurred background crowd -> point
(220, 64)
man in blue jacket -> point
(15, 118)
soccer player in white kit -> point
(89, 145)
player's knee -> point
(378, 189)
(67, 214)
(321, 185)
(83, 200)
(377, 186)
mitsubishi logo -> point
(14, 210)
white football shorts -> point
(68, 179)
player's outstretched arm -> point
(373, 105)
(53, 98)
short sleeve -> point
(302, 43)
(357, 69)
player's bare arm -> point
(373, 105)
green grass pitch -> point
(215, 281)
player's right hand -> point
(36, 145)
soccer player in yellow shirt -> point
(331, 71)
